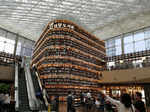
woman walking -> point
(124, 105)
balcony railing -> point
(128, 61)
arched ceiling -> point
(101, 17)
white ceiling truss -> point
(29, 17)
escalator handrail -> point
(30, 88)
(44, 96)
(16, 87)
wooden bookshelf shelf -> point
(68, 58)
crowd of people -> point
(105, 103)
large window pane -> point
(106, 44)
(18, 51)
(1, 46)
(9, 48)
(147, 44)
(140, 46)
(147, 33)
(28, 44)
(128, 38)
(111, 43)
(118, 50)
(118, 42)
(111, 51)
(10, 41)
(128, 48)
(139, 36)
(107, 51)
(7, 45)
(27, 52)
(2, 39)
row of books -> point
(68, 58)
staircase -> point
(22, 87)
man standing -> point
(69, 102)
(139, 104)
(57, 103)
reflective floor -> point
(63, 108)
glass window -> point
(2, 39)
(28, 44)
(113, 52)
(1, 46)
(147, 44)
(139, 46)
(139, 36)
(133, 42)
(107, 51)
(111, 43)
(110, 52)
(27, 52)
(7, 45)
(24, 47)
(2, 33)
(106, 44)
(128, 38)
(118, 42)
(9, 48)
(128, 48)
(18, 50)
(111, 63)
(147, 33)
(10, 41)
(118, 50)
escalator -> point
(22, 91)
(27, 85)
(37, 88)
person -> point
(139, 104)
(7, 102)
(69, 102)
(88, 101)
(57, 103)
(102, 100)
(2, 99)
(109, 107)
(89, 94)
(22, 64)
(97, 103)
(124, 105)
(82, 98)
(39, 99)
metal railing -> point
(44, 95)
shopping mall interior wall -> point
(7, 73)
(129, 75)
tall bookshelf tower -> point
(68, 58)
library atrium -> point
(74, 55)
